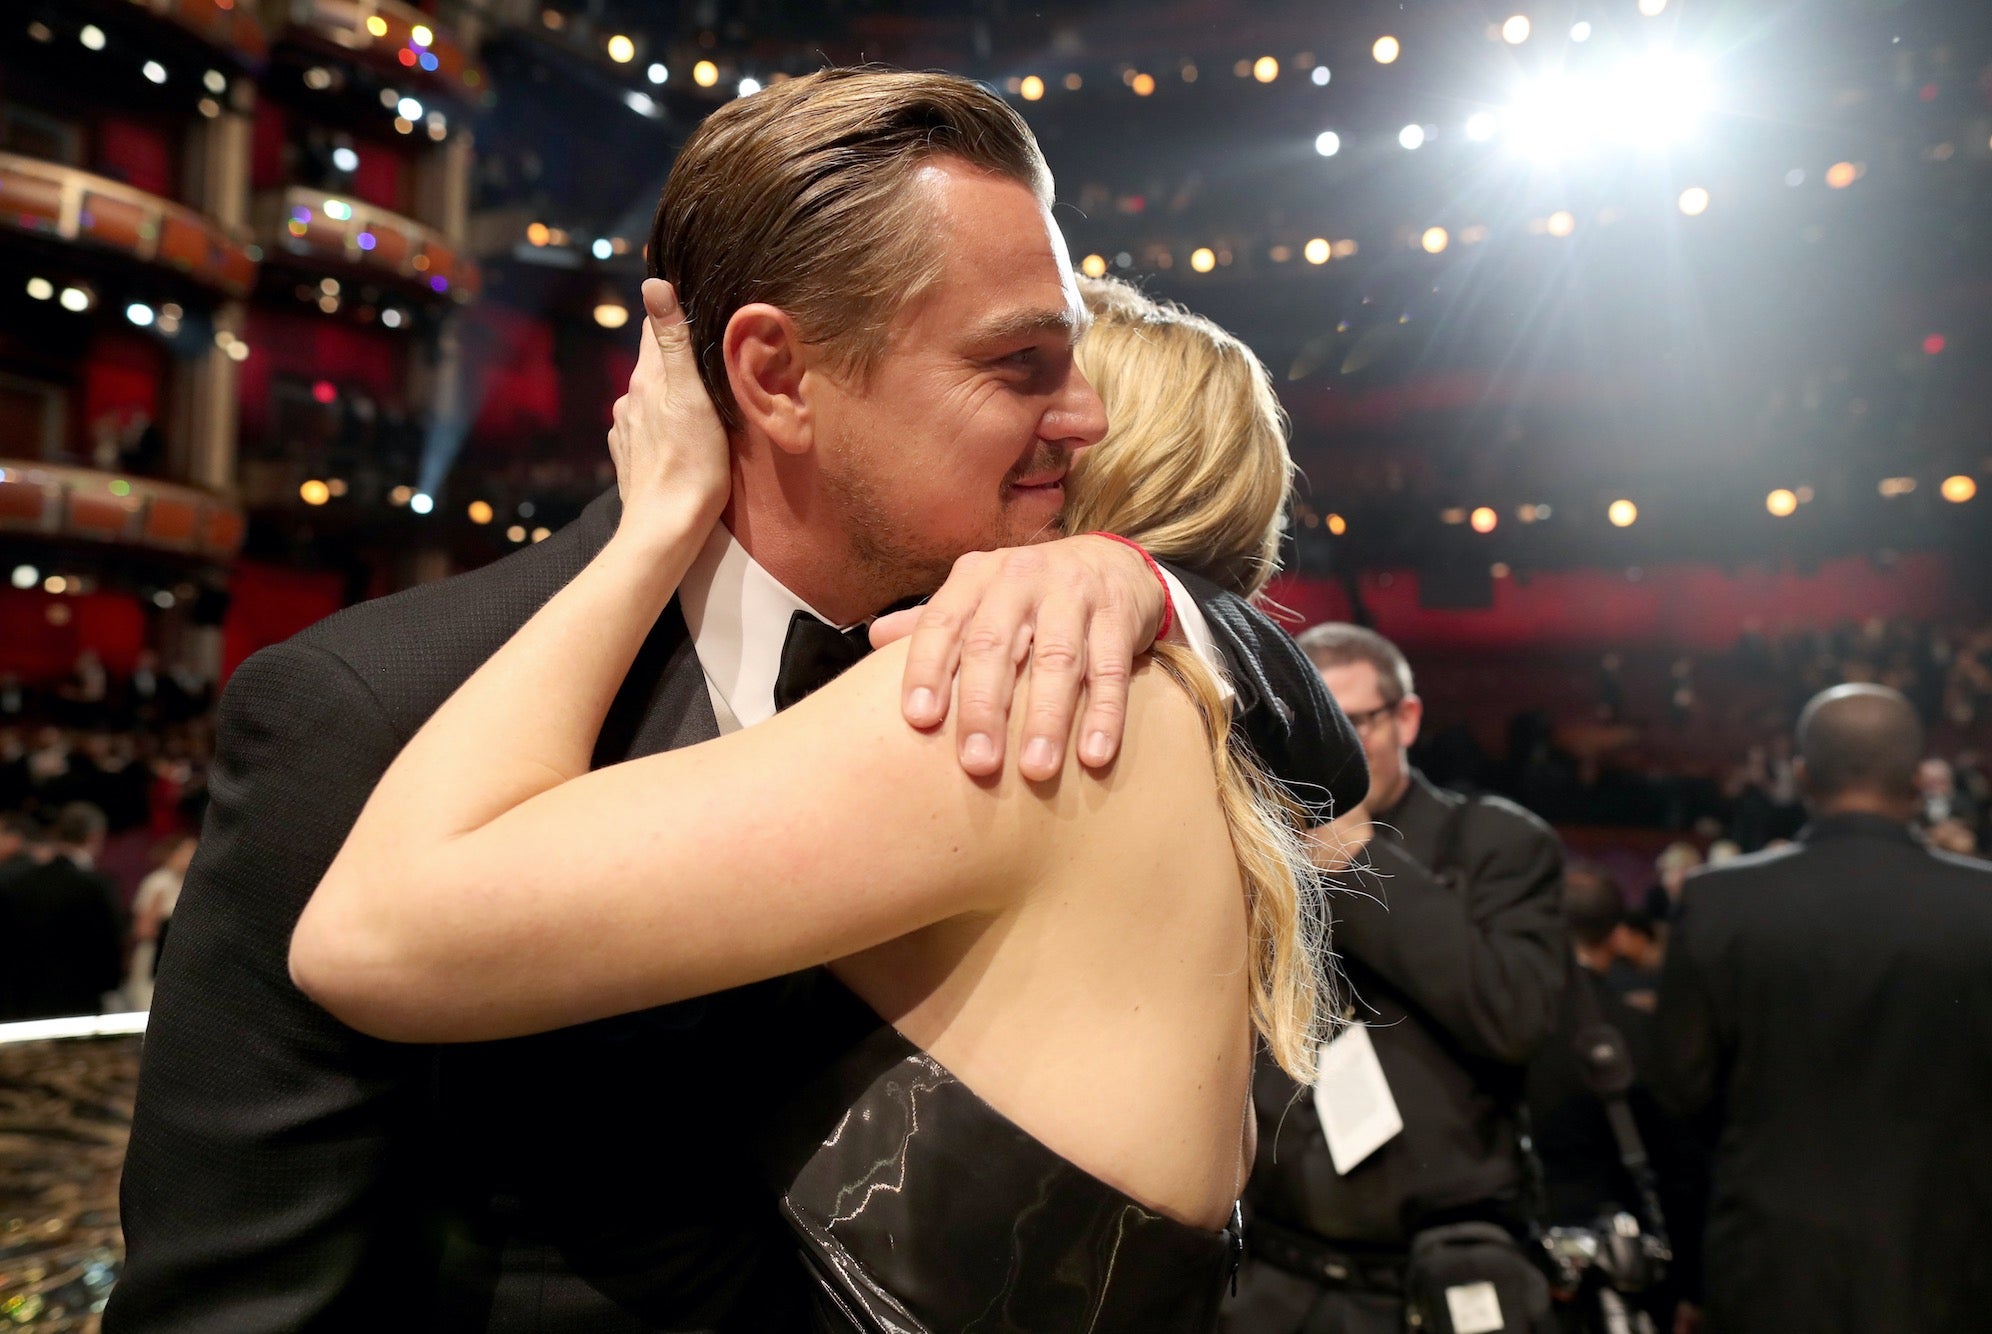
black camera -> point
(1616, 1253)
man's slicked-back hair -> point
(1860, 738)
(1337, 644)
(799, 196)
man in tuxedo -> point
(1824, 1009)
(288, 1173)
(62, 923)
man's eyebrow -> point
(1031, 324)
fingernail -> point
(978, 749)
(1098, 747)
(1040, 754)
(921, 703)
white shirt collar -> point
(739, 616)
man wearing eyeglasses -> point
(1399, 1180)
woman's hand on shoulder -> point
(673, 467)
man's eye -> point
(1021, 357)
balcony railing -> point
(53, 200)
(384, 33)
(57, 501)
(229, 26)
(338, 229)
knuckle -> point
(984, 640)
(935, 616)
(1022, 563)
(1057, 657)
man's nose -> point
(1079, 419)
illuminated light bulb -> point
(1958, 488)
(611, 315)
(1317, 250)
(1320, 76)
(1499, 569)
(421, 502)
(55, 583)
(238, 351)
(409, 108)
(1143, 85)
(1203, 259)
(1327, 143)
(314, 492)
(516, 533)
(1934, 344)
(1265, 69)
(1337, 524)
(601, 249)
(480, 511)
(345, 159)
(705, 74)
(25, 577)
(1434, 240)
(1032, 88)
(92, 37)
(539, 233)
(421, 35)
(1622, 513)
(1516, 30)
(155, 71)
(1344, 248)
(1412, 137)
(1781, 503)
(1561, 223)
(747, 86)
(377, 25)
(542, 534)
(1841, 175)
(400, 495)
(391, 318)
(41, 289)
(139, 313)
(621, 49)
(1094, 266)
(1484, 519)
(1386, 50)
(657, 73)
(1694, 201)
(1073, 82)
(75, 300)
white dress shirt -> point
(739, 615)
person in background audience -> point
(1942, 802)
(152, 914)
(20, 841)
(60, 919)
(1824, 1012)
(1672, 866)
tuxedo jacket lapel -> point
(663, 703)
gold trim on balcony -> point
(389, 36)
(339, 229)
(57, 501)
(49, 199)
(230, 26)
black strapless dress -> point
(917, 1208)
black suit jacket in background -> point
(1827, 1010)
(287, 1173)
(64, 933)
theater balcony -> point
(383, 43)
(226, 29)
(80, 530)
(82, 219)
(311, 230)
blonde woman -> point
(1026, 1091)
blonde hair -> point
(798, 196)
(1195, 468)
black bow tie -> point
(814, 655)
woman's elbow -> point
(356, 973)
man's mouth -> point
(1046, 482)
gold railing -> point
(340, 229)
(381, 31)
(59, 501)
(50, 199)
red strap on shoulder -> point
(1168, 604)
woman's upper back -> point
(1105, 1007)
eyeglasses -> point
(1366, 721)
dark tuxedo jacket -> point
(288, 1173)
(64, 929)
(1828, 1009)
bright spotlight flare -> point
(1652, 101)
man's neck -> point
(1900, 810)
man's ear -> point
(765, 359)
(1410, 714)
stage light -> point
(314, 492)
(542, 534)
(345, 159)
(1933, 344)
(421, 502)
(1345, 248)
(1561, 223)
(238, 351)
(1484, 520)
(409, 108)
(377, 25)
(516, 533)
(329, 286)
(1337, 525)
(1841, 175)
(1694, 201)
(41, 289)
(480, 511)
(1143, 85)
(338, 210)
(391, 318)
(92, 37)
(1386, 50)
(538, 233)
(1781, 503)
(163, 599)
(337, 486)
(601, 249)
(1434, 240)
(139, 313)
(1580, 32)
(1516, 30)
(1094, 266)
(421, 35)
(41, 32)
(1652, 8)
(26, 577)
(1189, 72)
(748, 86)
(155, 71)
(611, 315)
(1203, 259)
(1032, 88)
(1453, 517)
(1327, 143)
(1073, 82)
(324, 392)
(1958, 488)
(1480, 126)
(1265, 69)
(55, 583)
(621, 49)
(657, 73)
(1499, 569)
(1320, 76)
(400, 495)
(76, 300)
(640, 103)
(1412, 137)
(1892, 487)
(215, 82)
(705, 74)
(1622, 513)
(1318, 250)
